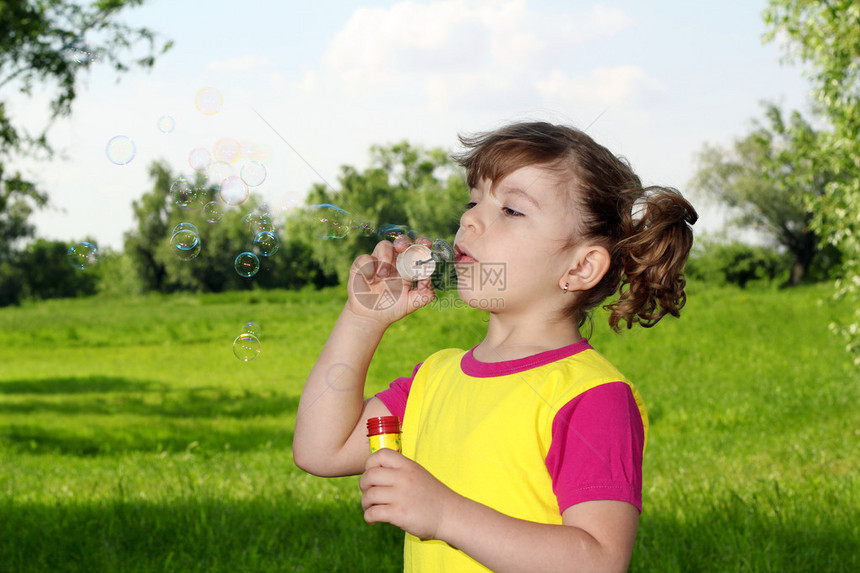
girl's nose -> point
(470, 220)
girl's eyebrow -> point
(519, 193)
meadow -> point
(132, 439)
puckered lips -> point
(462, 255)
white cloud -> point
(618, 86)
(450, 53)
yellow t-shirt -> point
(487, 435)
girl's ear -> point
(587, 268)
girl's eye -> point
(470, 204)
(510, 212)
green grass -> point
(131, 438)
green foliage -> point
(717, 262)
(131, 439)
(768, 177)
(826, 37)
(49, 274)
(417, 188)
(48, 45)
(159, 269)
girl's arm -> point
(330, 435)
(595, 535)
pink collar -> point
(477, 369)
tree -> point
(158, 268)
(49, 274)
(49, 43)
(18, 198)
(769, 177)
(419, 190)
(825, 35)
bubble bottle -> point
(418, 261)
(384, 432)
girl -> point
(525, 452)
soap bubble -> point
(259, 222)
(83, 255)
(81, 53)
(185, 226)
(246, 347)
(442, 251)
(234, 191)
(199, 159)
(185, 241)
(391, 232)
(209, 101)
(213, 212)
(166, 124)
(185, 194)
(329, 221)
(267, 243)
(252, 328)
(182, 253)
(120, 150)
(246, 264)
(253, 173)
(226, 150)
(359, 224)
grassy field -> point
(131, 438)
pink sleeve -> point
(394, 397)
(596, 450)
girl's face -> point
(512, 250)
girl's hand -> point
(399, 491)
(377, 291)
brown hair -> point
(647, 230)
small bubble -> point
(80, 53)
(234, 191)
(267, 243)
(226, 150)
(185, 241)
(246, 264)
(120, 150)
(252, 328)
(183, 253)
(442, 251)
(83, 255)
(185, 194)
(199, 159)
(361, 225)
(246, 347)
(258, 222)
(329, 221)
(166, 124)
(185, 226)
(209, 101)
(253, 173)
(391, 232)
(213, 212)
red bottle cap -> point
(383, 425)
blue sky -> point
(653, 81)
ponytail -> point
(652, 258)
